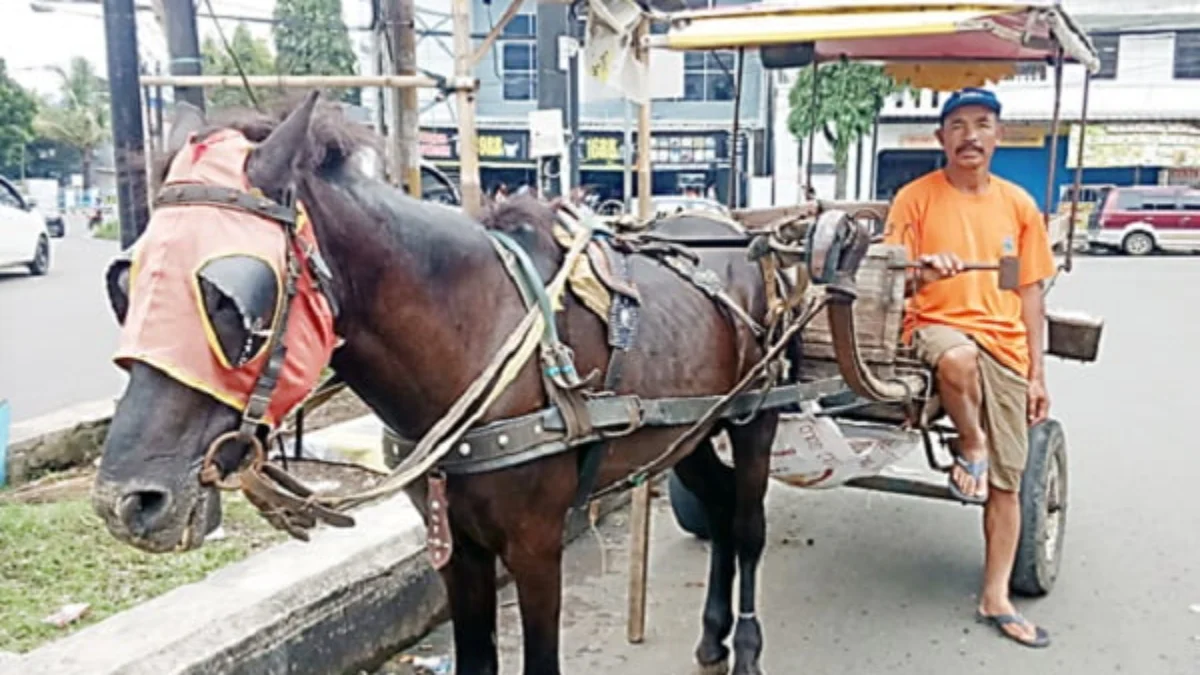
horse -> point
(417, 299)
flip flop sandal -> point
(1041, 640)
(975, 470)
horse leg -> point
(533, 555)
(471, 585)
(752, 465)
(713, 483)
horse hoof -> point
(751, 669)
(718, 668)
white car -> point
(23, 237)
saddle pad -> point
(592, 281)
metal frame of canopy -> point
(942, 33)
(794, 33)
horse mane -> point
(528, 220)
(332, 139)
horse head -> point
(226, 326)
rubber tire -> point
(1140, 237)
(688, 509)
(1033, 574)
(39, 265)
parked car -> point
(1142, 219)
(23, 236)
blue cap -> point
(970, 96)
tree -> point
(850, 95)
(80, 118)
(18, 109)
(254, 56)
(312, 39)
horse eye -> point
(239, 295)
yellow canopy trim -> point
(752, 31)
(950, 76)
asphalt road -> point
(57, 333)
(866, 583)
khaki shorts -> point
(1004, 403)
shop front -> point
(678, 161)
(503, 156)
(910, 151)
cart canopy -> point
(920, 39)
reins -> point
(282, 499)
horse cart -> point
(889, 407)
(536, 359)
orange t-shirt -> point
(930, 216)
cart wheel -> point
(688, 510)
(1043, 511)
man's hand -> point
(1038, 403)
(939, 266)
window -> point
(518, 58)
(1107, 47)
(1187, 55)
(9, 198)
(709, 76)
(1140, 200)
(1190, 201)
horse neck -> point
(424, 299)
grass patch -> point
(59, 553)
(109, 229)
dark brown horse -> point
(424, 301)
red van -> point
(1140, 220)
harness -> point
(577, 417)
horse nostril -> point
(142, 510)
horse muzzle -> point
(156, 517)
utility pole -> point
(183, 46)
(120, 34)
(557, 84)
(401, 20)
(464, 68)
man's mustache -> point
(968, 146)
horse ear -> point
(188, 120)
(271, 163)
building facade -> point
(691, 140)
(1144, 115)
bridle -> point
(286, 214)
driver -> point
(983, 343)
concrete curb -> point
(63, 439)
(342, 602)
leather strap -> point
(191, 194)
(510, 442)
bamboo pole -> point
(490, 39)
(639, 517)
(406, 111)
(291, 81)
(472, 195)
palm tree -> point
(80, 119)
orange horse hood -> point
(197, 261)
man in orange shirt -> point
(984, 343)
